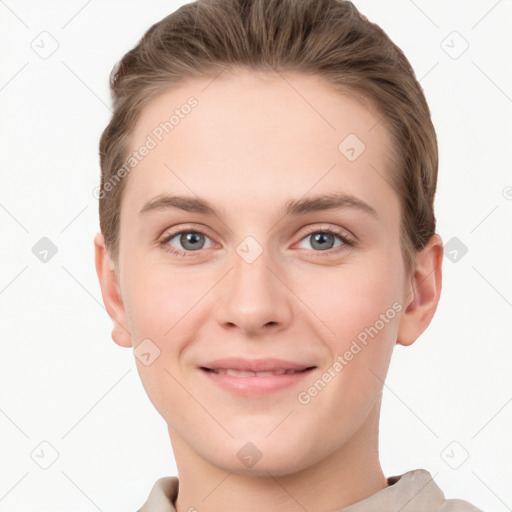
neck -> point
(348, 475)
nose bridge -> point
(252, 297)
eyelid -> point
(196, 228)
(322, 228)
(302, 233)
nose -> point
(253, 297)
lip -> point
(254, 385)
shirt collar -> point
(414, 491)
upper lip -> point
(254, 365)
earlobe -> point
(111, 293)
(423, 292)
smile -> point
(255, 377)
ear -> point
(422, 292)
(111, 292)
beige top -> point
(414, 491)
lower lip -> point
(254, 386)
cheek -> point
(159, 299)
(359, 308)
(165, 307)
(347, 300)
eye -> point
(323, 240)
(188, 241)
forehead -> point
(263, 103)
(280, 132)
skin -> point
(295, 301)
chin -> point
(261, 458)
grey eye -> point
(190, 240)
(322, 240)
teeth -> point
(240, 373)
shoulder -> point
(457, 506)
(162, 496)
(417, 491)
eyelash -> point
(329, 252)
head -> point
(259, 115)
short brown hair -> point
(327, 38)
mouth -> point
(255, 377)
(242, 373)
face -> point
(265, 302)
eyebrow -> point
(292, 207)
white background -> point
(63, 381)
